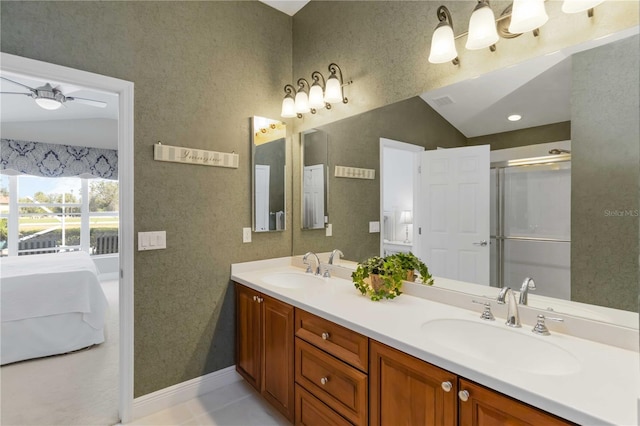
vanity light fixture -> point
(443, 45)
(288, 103)
(334, 91)
(482, 28)
(316, 94)
(321, 94)
(302, 97)
(577, 6)
(528, 15)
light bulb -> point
(47, 103)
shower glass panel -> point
(531, 229)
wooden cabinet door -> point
(485, 407)
(278, 372)
(248, 339)
(407, 391)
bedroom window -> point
(41, 215)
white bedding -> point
(51, 303)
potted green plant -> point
(379, 278)
(410, 263)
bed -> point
(50, 304)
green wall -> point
(201, 70)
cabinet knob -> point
(446, 386)
(255, 298)
(463, 395)
(325, 336)
(324, 380)
(260, 299)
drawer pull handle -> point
(325, 336)
(446, 386)
(463, 395)
(324, 380)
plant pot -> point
(411, 276)
(376, 281)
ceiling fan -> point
(49, 97)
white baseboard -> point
(182, 392)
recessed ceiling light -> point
(514, 117)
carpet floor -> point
(79, 388)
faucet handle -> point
(326, 273)
(541, 328)
(486, 314)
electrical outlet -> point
(329, 230)
(246, 235)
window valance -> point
(54, 160)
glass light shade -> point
(316, 97)
(577, 6)
(333, 91)
(443, 46)
(49, 104)
(482, 29)
(406, 217)
(288, 107)
(527, 15)
(302, 102)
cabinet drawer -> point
(310, 411)
(340, 386)
(349, 346)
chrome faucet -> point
(306, 262)
(507, 296)
(333, 253)
(527, 285)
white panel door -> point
(313, 197)
(261, 187)
(454, 213)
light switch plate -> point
(374, 227)
(329, 230)
(246, 235)
(154, 240)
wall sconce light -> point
(528, 15)
(321, 94)
(443, 45)
(334, 92)
(302, 97)
(288, 103)
(577, 6)
(482, 28)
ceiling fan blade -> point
(16, 93)
(19, 84)
(91, 102)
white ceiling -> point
(290, 7)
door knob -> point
(446, 386)
(463, 395)
(480, 243)
(324, 380)
(325, 336)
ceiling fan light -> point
(482, 28)
(47, 103)
(316, 97)
(527, 15)
(443, 46)
(577, 6)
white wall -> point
(92, 132)
(398, 186)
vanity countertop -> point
(604, 390)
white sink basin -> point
(292, 279)
(502, 346)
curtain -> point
(54, 160)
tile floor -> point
(237, 404)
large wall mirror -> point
(600, 121)
(268, 149)
(315, 163)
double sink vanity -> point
(322, 353)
